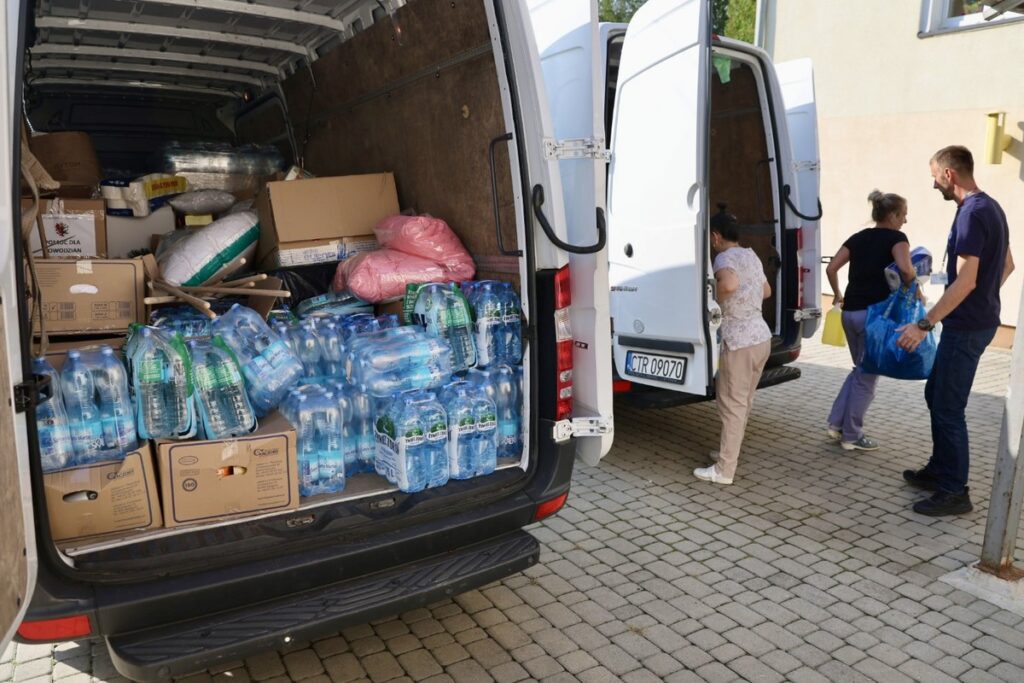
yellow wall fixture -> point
(996, 140)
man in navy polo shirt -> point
(978, 261)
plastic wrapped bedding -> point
(203, 202)
(216, 157)
(374, 276)
(205, 254)
(429, 238)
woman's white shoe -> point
(711, 474)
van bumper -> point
(162, 653)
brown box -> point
(319, 211)
(206, 480)
(91, 296)
(103, 498)
(127, 233)
(79, 230)
(70, 158)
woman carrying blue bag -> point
(868, 252)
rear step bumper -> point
(159, 654)
(647, 397)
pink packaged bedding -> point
(429, 238)
(374, 276)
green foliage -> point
(742, 17)
(733, 18)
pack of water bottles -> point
(161, 383)
(183, 320)
(315, 413)
(412, 441)
(268, 364)
(396, 360)
(221, 398)
(88, 417)
(497, 323)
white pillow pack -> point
(204, 254)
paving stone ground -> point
(811, 567)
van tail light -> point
(563, 345)
(550, 507)
(800, 268)
(622, 386)
(51, 630)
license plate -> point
(651, 366)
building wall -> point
(887, 100)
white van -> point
(450, 98)
(695, 121)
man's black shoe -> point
(920, 479)
(943, 503)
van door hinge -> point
(576, 148)
(800, 166)
(27, 394)
(801, 314)
(583, 426)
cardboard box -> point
(75, 228)
(301, 214)
(125, 234)
(91, 296)
(104, 498)
(206, 480)
(320, 251)
(70, 158)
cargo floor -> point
(358, 487)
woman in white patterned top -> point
(746, 341)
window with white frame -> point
(942, 16)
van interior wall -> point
(425, 107)
(740, 174)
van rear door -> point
(662, 307)
(17, 538)
(566, 35)
(796, 80)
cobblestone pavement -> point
(811, 567)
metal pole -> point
(1008, 483)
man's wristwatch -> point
(923, 324)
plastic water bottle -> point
(84, 420)
(509, 419)
(331, 349)
(223, 405)
(442, 311)
(435, 424)
(462, 436)
(309, 459)
(512, 348)
(163, 404)
(401, 440)
(489, 325)
(329, 447)
(485, 413)
(56, 450)
(116, 411)
(362, 428)
(270, 368)
(307, 348)
(495, 419)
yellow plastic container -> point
(832, 333)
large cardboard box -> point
(206, 480)
(104, 498)
(126, 234)
(91, 296)
(74, 228)
(302, 215)
(70, 158)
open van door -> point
(664, 317)
(796, 80)
(566, 35)
(17, 538)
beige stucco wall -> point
(888, 99)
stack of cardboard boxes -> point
(89, 298)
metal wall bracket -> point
(576, 148)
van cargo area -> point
(417, 90)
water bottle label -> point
(413, 439)
(151, 370)
(277, 354)
(487, 423)
(206, 377)
(466, 426)
(511, 318)
(437, 433)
